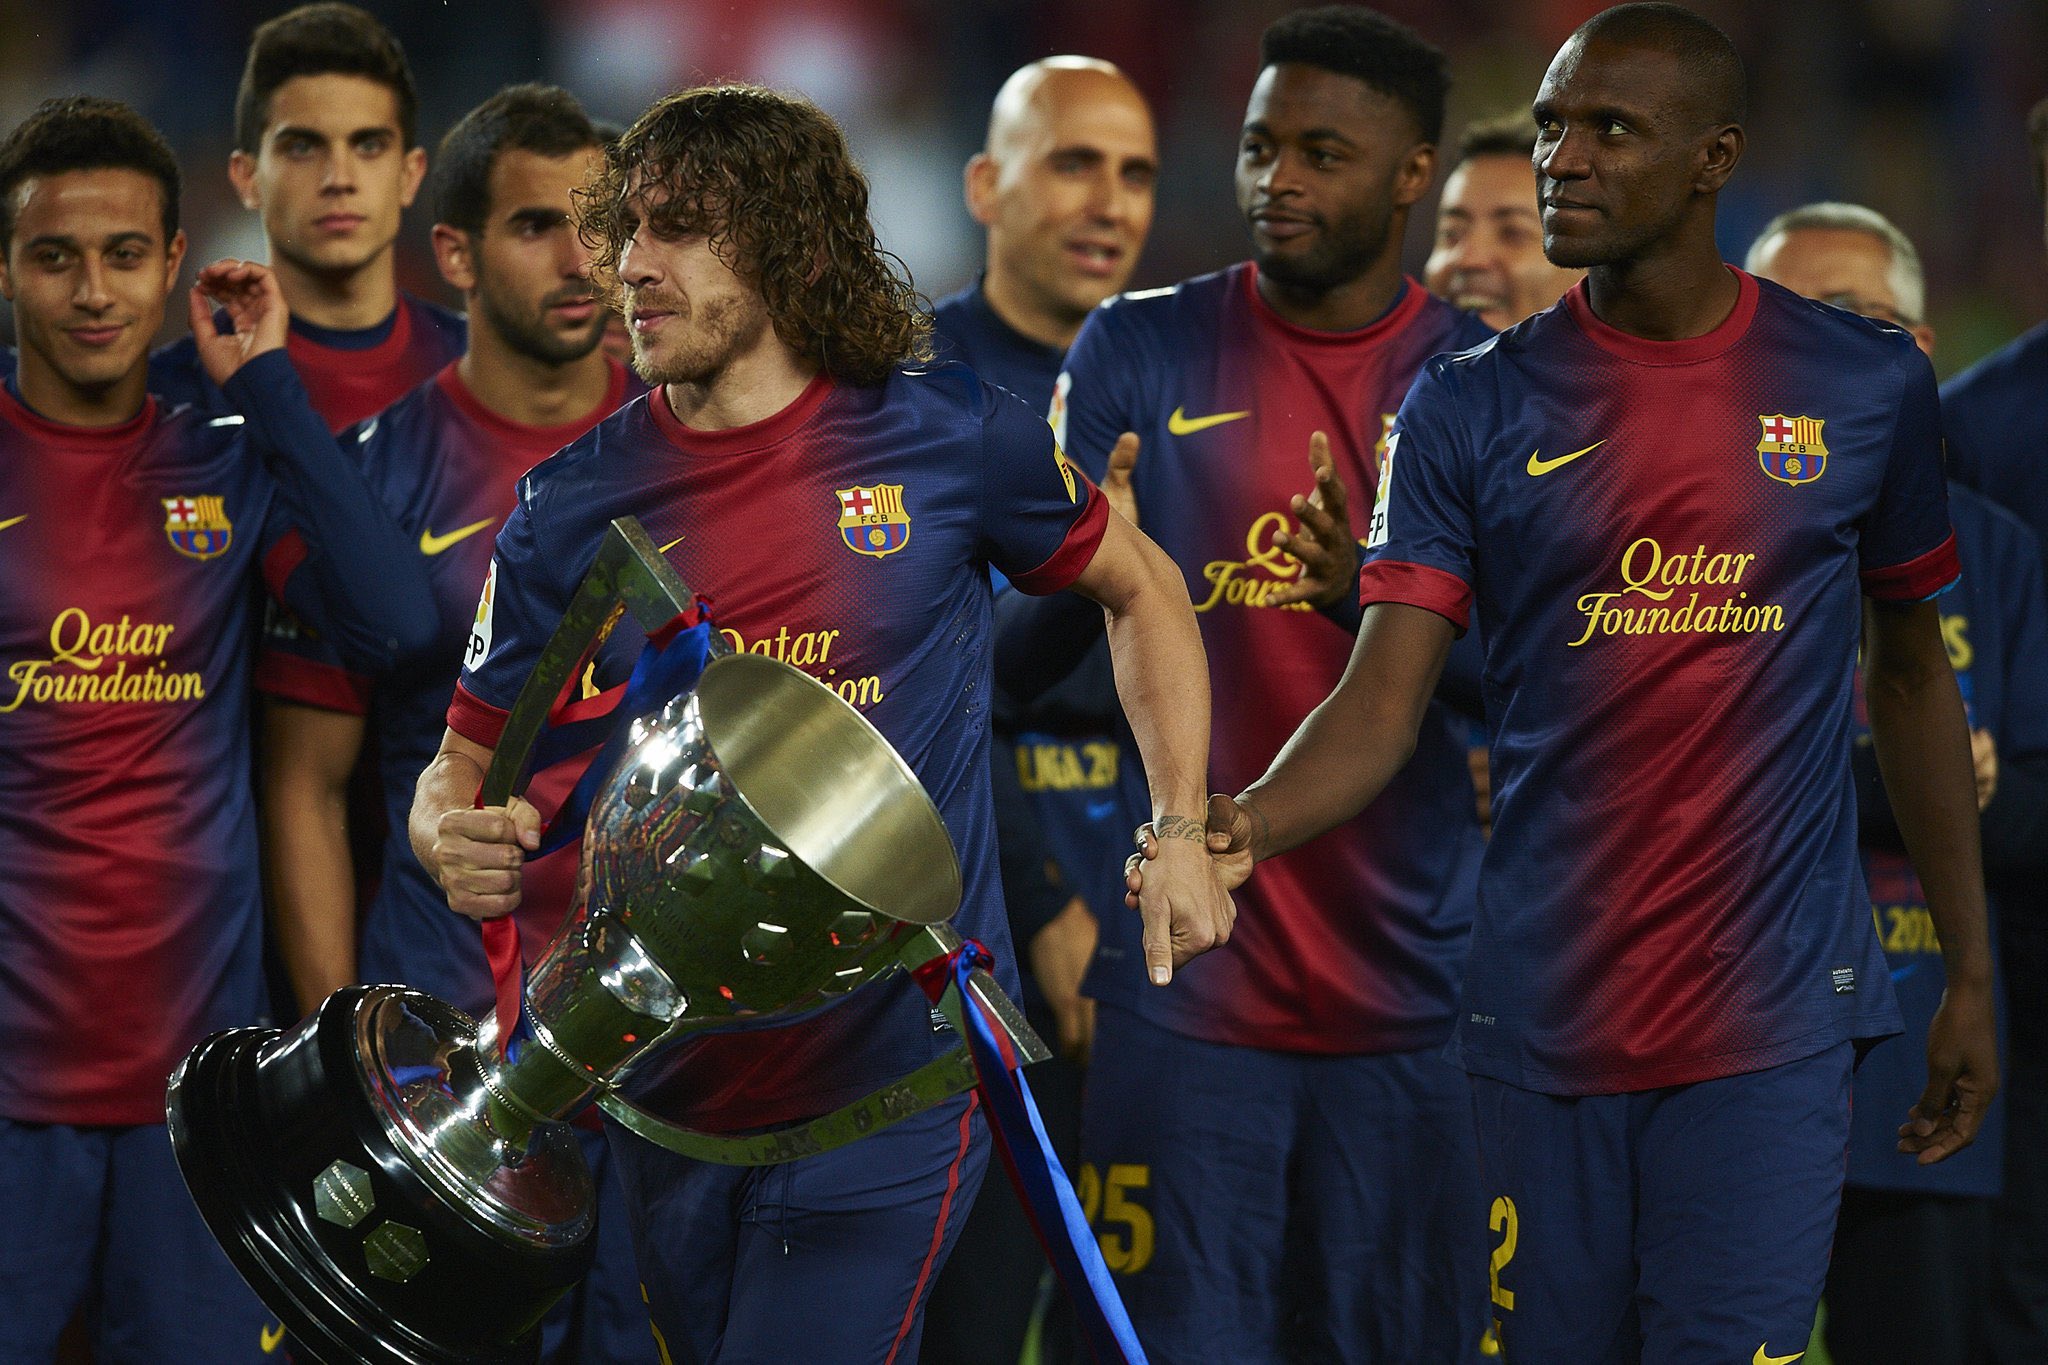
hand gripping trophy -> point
(398, 1183)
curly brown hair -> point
(768, 179)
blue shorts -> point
(99, 1218)
(828, 1258)
(1267, 1206)
(1689, 1224)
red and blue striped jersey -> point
(447, 468)
(850, 535)
(1666, 542)
(349, 376)
(1350, 944)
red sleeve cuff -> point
(1416, 585)
(474, 719)
(1065, 564)
(1918, 578)
(282, 560)
(287, 677)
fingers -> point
(1943, 1121)
(1330, 491)
(199, 313)
(1228, 831)
(1123, 458)
(479, 856)
(1158, 919)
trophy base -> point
(343, 1167)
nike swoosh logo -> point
(1180, 424)
(13, 521)
(273, 1334)
(671, 545)
(431, 544)
(1539, 466)
(1760, 1358)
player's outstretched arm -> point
(1923, 748)
(1162, 678)
(307, 755)
(475, 855)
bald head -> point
(1064, 187)
(1715, 89)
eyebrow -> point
(539, 217)
(299, 130)
(73, 244)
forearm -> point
(311, 883)
(1923, 749)
(1162, 680)
(1362, 734)
(450, 782)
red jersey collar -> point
(387, 352)
(738, 440)
(449, 381)
(1398, 315)
(1689, 351)
(45, 432)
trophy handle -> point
(629, 574)
(934, 1082)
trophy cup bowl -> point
(398, 1184)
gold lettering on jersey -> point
(78, 666)
(1648, 601)
(1264, 570)
(1067, 767)
(810, 650)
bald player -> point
(1063, 186)
(1677, 502)
(1488, 258)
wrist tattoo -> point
(1178, 827)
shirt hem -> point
(1680, 1071)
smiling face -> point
(1326, 167)
(1488, 257)
(1624, 152)
(332, 174)
(1066, 192)
(88, 271)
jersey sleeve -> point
(1419, 542)
(1907, 552)
(1041, 518)
(521, 605)
(296, 664)
(1096, 397)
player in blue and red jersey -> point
(447, 459)
(1064, 186)
(1913, 1254)
(130, 537)
(1995, 417)
(843, 512)
(1663, 495)
(1287, 1094)
(327, 151)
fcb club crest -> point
(1791, 450)
(872, 520)
(198, 527)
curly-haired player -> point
(843, 511)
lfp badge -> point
(1791, 450)
(198, 527)
(872, 520)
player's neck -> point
(1027, 314)
(530, 392)
(49, 395)
(343, 301)
(750, 388)
(1678, 290)
(1357, 302)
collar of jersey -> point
(46, 433)
(1399, 313)
(449, 381)
(300, 341)
(1689, 351)
(738, 440)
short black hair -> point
(85, 133)
(326, 39)
(544, 119)
(1354, 41)
(1509, 134)
(1702, 48)
(2037, 135)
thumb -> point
(525, 822)
(1319, 462)
(1123, 457)
(200, 314)
(1228, 830)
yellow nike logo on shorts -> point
(431, 544)
(1761, 1359)
(1539, 467)
(1179, 424)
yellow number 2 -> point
(1131, 1251)
(1503, 1219)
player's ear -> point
(174, 258)
(1718, 157)
(1417, 174)
(979, 182)
(415, 173)
(453, 254)
(242, 175)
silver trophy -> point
(398, 1184)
